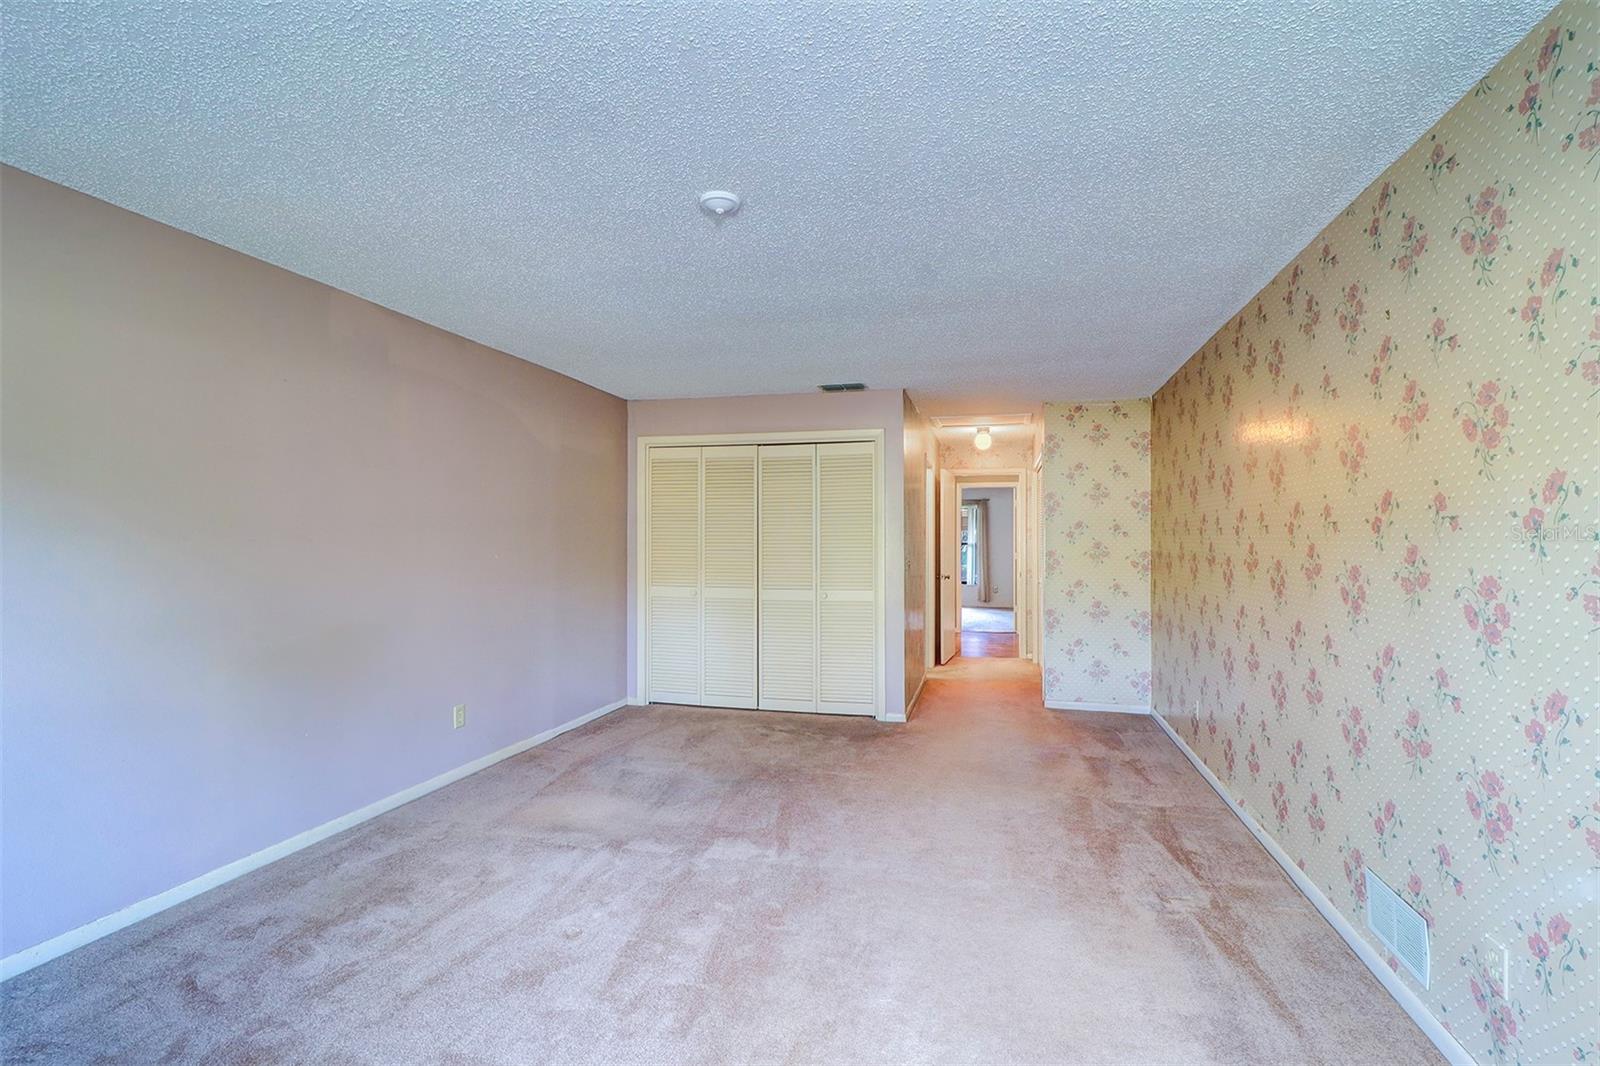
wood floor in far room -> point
(992, 882)
(988, 633)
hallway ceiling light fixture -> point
(982, 439)
(720, 204)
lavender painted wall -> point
(259, 536)
(872, 409)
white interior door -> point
(787, 575)
(728, 575)
(672, 578)
(949, 587)
(847, 578)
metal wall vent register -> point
(1401, 929)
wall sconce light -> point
(982, 439)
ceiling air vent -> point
(1402, 930)
(843, 386)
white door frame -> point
(641, 577)
(949, 563)
(930, 588)
(1023, 576)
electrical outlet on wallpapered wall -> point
(1376, 551)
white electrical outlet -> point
(459, 715)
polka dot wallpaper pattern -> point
(1096, 603)
(1377, 550)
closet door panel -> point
(672, 611)
(847, 522)
(847, 657)
(728, 569)
(787, 669)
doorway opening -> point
(987, 563)
(985, 541)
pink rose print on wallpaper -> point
(1376, 549)
(1413, 577)
(1440, 337)
(1414, 742)
(1349, 313)
(1539, 80)
(1486, 606)
(1586, 364)
(1099, 539)
(1549, 513)
(1386, 823)
(1382, 208)
(1548, 728)
(1480, 230)
(1493, 811)
(1444, 861)
(1585, 131)
(1486, 424)
(1554, 950)
(1441, 160)
(1414, 242)
(1544, 294)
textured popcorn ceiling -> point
(984, 203)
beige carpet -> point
(992, 883)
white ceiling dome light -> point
(982, 439)
(719, 203)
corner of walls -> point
(1096, 479)
(1377, 588)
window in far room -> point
(971, 551)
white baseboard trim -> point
(1107, 708)
(911, 704)
(28, 958)
(1403, 994)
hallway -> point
(991, 882)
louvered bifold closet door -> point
(787, 634)
(673, 575)
(728, 576)
(847, 572)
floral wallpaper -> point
(1096, 650)
(1377, 550)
